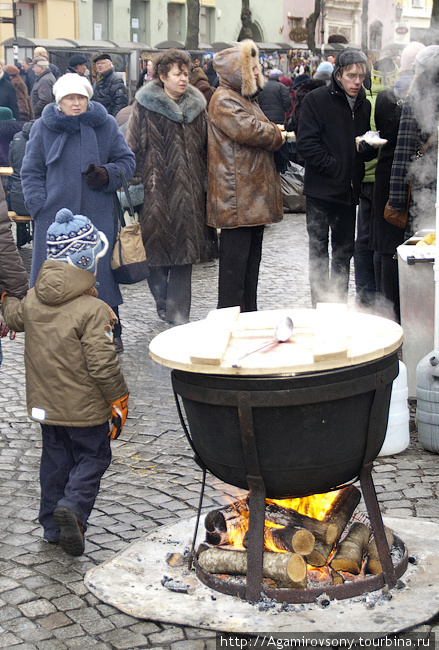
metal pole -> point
(435, 359)
(15, 43)
(322, 29)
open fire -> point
(319, 538)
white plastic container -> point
(398, 430)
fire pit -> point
(303, 417)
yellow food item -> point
(427, 240)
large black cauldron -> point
(306, 433)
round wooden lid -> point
(328, 337)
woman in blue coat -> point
(73, 160)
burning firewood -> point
(290, 538)
(230, 517)
(349, 555)
(373, 558)
(325, 532)
(287, 569)
(320, 554)
(342, 508)
(337, 578)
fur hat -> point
(77, 59)
(72, 84)
(41, 51)
(325, 66)
(235, 67)
(12, 70)
(41, 61)
(75, 240)
(409, 53)
(427, 60)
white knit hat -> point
(72, 84)
(427, 60)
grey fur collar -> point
(153, 97)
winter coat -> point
(42, 93)
(169, 141)
(23, 99)
(13, 277)
(243, 184)
(200, 81)
(326, 136)
(419, 121)
(29, 78)
(72, 370)
(275, 101)
(8, 96)
(7, 131)
(110, 92)
(16, 155)
(59, 150)
(383, 236)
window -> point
(417, 4)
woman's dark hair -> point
(164, 62)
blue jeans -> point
(73, 462)
(329, 280)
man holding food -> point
(331, 118)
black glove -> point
(96, 177)
(366, 150)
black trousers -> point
(363, 256)
(171, 288)
(329, 280)
(239, 260)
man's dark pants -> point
(329, 281)
(73, 462)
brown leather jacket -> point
(243, 184)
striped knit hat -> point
(75, 240)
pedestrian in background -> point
(42, 91)
(74, 384)
(8, 95)
(13, 277)
(244, 192)
(23, 99)
(108, 87)
(167, 132)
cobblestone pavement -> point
(151, 482)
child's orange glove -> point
(119, 413)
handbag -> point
(128, 260)
(400, 218)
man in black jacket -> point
(275, 101)
(109, 88)
(330, 119)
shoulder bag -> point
(400, 218)
(128, 261)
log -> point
(287, 569)
(326, 532)
(319, 556)
(289, 539)
(342, 508)
(229, 517)
(337, 578)
(373, 559)
(349, 555)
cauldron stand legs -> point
(373, 508)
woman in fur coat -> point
(23, 99)
(167, 132)
(244, 191)
(73, 160)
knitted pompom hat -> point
(75, 240)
